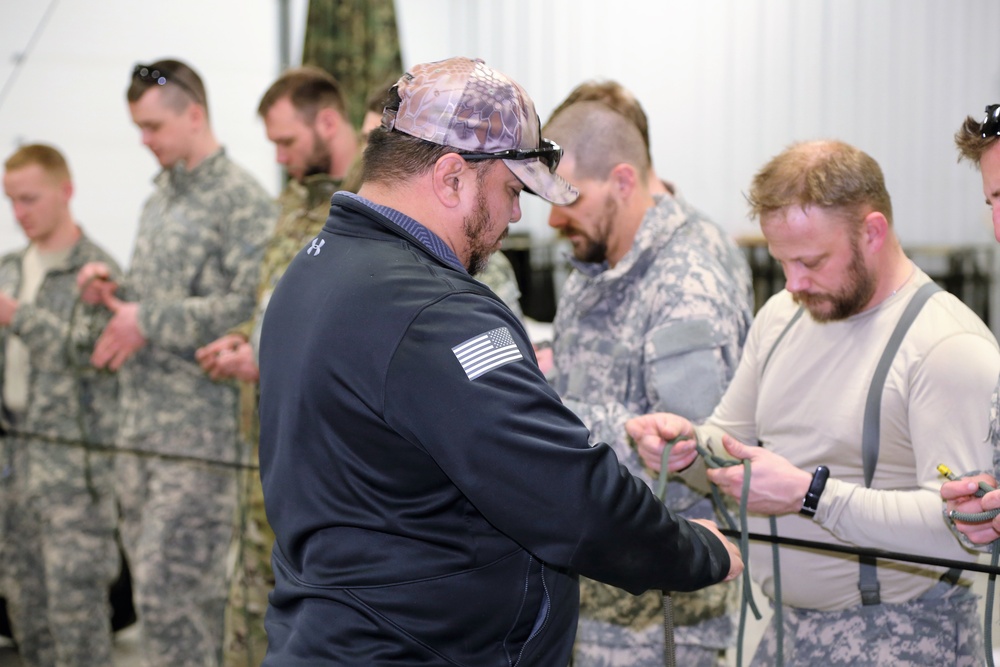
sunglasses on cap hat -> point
(549, 153)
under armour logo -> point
(317, 243)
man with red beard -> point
(652, 318)
(845, 459)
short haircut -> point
(598, 138)
(309, 89)
(830, 174)
(615, 96)
(970, 141)
(181, 86)
(391, 157)
(43, 155)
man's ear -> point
(449, 178)
(624, 180)
(196, 113)
(66, 190)
(326, 123)
(874, 230)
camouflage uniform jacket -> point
(995, 429)
(304, 208)
(661, 331)
(194, 272)
(67, 397)
(499, 276)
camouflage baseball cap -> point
(462, 103)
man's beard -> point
(595, 250)
(475, 227)
(848, 301)
(320, 159)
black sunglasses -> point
(991, 122)
(161, 77)
(549, 153)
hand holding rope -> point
(713, 461)
(974, 518)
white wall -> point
(70, 92)
(729, 83)
(726, 83)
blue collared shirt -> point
(427, 238)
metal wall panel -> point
(729, 83)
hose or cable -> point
(669, 647)
(980, 517)
(106, 448)
(23, 57)
(712, 461)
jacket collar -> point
(403, 225)
(658, 226)
(179, 178)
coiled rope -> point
(981, 517)
(746, 599)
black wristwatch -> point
(811, 501)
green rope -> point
(713, 461)
(980, 517)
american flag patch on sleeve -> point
(486, 352)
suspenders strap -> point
(868, 583)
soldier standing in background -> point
(978, 142)
(655, 314)
(304, 114)
(59, 549)
(192, 276)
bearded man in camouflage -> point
(192, 277)
(305, 117)
(654, 314)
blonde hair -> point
(45, 156)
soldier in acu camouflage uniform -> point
(196, 261)
(979, 143)
(304, 114)
(654, 315)
(59, 549)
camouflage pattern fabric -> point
(499, 276)
(194, 272)
(942, 627)
(57, 498)
(662, 330)
(177, 524)
(995, 430)
(647, 649)
(356, 41)
(304, 210)
(463, 103)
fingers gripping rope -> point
(980, 517)
(713, 461)
(970, 517)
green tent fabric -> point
(357, 42)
